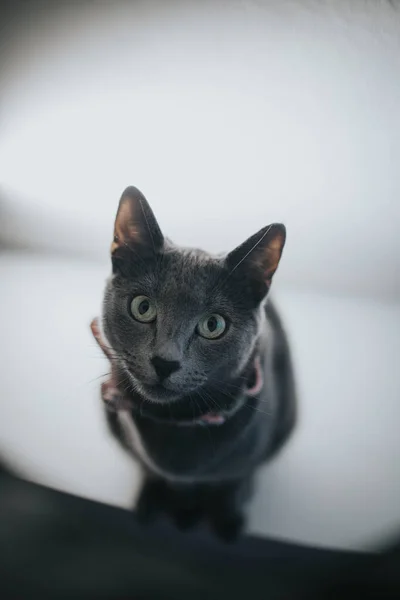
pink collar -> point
(259, 382)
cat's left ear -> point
(258, 258)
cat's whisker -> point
(191, 403)
(213, 400)
(226, 393)
(79, 386)
(255, 408)
(111, 350)
(209, 398)
(208, 428)
(107, 351)
(195, 401)
(264, 412)
(228, 385)
(97, 378)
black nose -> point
(163, 367)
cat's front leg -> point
(150, 501)
(182, 504)
(226, 508)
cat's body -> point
(202, 363)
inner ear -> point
(258, 257)
(135, 224)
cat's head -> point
(182, 320)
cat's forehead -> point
(190, 268)
(191, 258)
(178, 274)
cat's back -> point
(281, 367)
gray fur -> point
(186, 287)
(213, 375)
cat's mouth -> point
(159, 392)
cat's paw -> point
(187, 519)
(228, 528)
(146, 512)
(148, 503)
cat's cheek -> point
(106, 332)
(209, 352)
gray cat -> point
(201, 390)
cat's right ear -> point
(257, 259)
(136, 228)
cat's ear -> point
(257, 259)
(135, 225)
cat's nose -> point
(164, 368)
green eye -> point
(211, 326)
(143, 309)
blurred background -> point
(228, 115)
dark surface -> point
(53, 545)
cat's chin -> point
(156, 393)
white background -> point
(228, 116)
